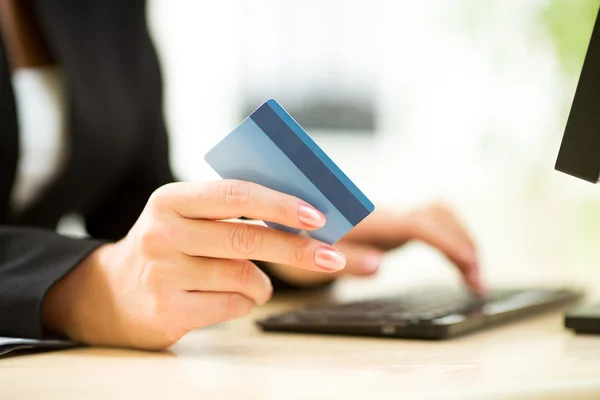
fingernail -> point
(371, 262)
(310, 216)
(329, 260)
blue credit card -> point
(270, 148)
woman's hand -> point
(182, 267)
(381, 231)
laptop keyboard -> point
(443, 307)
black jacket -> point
(118, 149)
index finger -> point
(227, 199)
(460, 252)
(231, 240)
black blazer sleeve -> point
(31, 261)
(121, 207)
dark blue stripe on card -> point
(301, 133)
(311, 166)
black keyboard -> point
(436, 313)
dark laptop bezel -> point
(579, 153)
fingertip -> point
(263, 301)
(311, 217)
(266, 292)
(371, 263)
(269, 295)
(329, 260)
(481, 286)
(475, 283)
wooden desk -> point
(533, 358)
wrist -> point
(75, 306)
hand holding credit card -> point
(271, 149)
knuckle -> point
(156, 198)
(283, 206)
(151, 238)
(160, 199)
(419, 229)
(156, 234)
(243, 272)
(439, 209)
(237, 305)
(298, 251)
(245, 239)
(237, 194)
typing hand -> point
(364, 246)
(182, 267)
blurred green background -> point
(569, 23)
